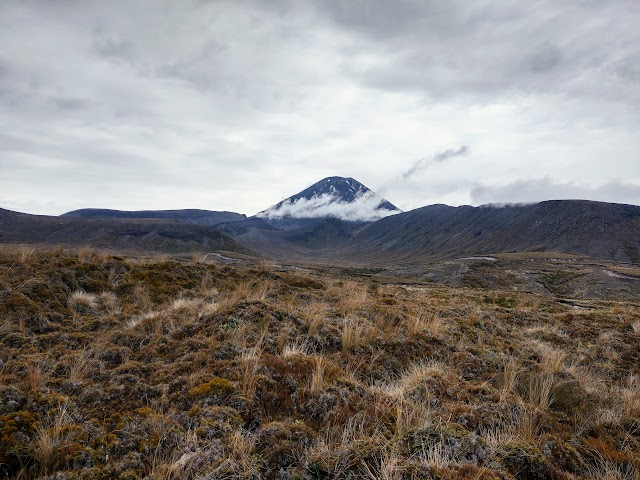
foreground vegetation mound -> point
(114, 368)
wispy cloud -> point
(365, 208)
(438, 157)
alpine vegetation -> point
(182, 369)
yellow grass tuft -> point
(81, 366)
(510, 375)
(314, 314)
(353, 297)
(295, 348)
(18, 253)
(51, 436)
(317, 381)
(552, 360)
(81, 302)
(630, 396)
(355, 333)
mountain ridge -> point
(599, 229)
(140, 234)
(596, 229)
(192, 215)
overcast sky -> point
(235, 105)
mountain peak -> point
(333, 197)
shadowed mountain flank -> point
(164, 235)
(602, 230)
(199, 217)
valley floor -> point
(114, 367)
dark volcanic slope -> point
(602, 230)
(136, 234)
(200, 217)
(344, 189)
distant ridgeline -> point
(342, 221)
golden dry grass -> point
(186, 369)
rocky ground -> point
(114, 367)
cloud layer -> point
(365, 208)
(537, 190)
(222, 104)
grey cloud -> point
(484, 49)
(438, 157)
(546, 58)
(4, 69)
(114, 48)
(247, 94)
(389, 20)
(540, 189)
(69, 103)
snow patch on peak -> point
(364, 208)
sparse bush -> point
(216, 387)
(526, 462)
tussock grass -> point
(411, 415)
(355, 333)
(607, 470)
(553, 360)
(499, 435)
(425, 323)
(265, 266)
(512, 368)
(22, 254)
(36, 375)
(82, 302)
(436, 456)
(110, 303)
(317, 381)
(295, 348)
(180, 368)
(540, 391)
(51, 436)
(314, 313)
(249, 380)
(352, 298)
(81, 366)
(418, 372)
(630, 395)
